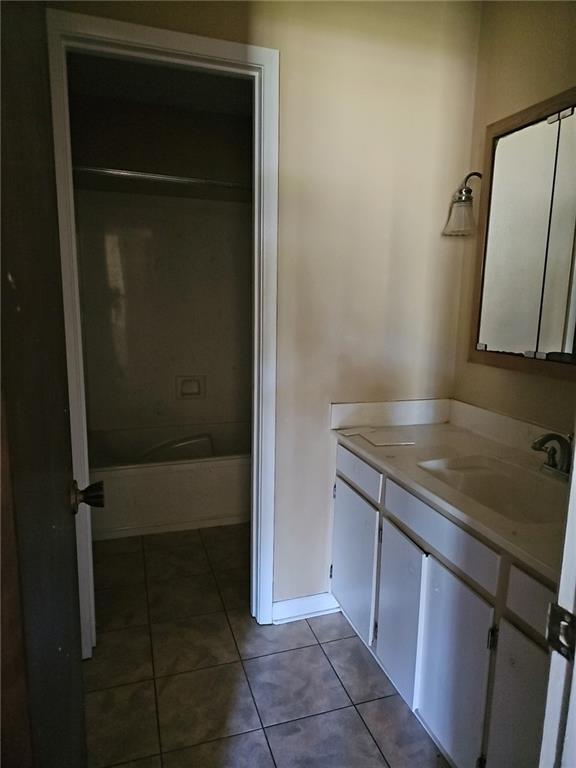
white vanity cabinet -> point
(454, 663)
(399, 608)
(518, 701)
(354, 558)
(431, 585)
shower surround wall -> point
(166, 293)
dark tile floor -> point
(183, 677)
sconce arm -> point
(471, 175)
(464, 193)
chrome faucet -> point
(559, 456)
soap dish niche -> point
(190, 387)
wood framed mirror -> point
(524, 310)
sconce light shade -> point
(460, 220)
(461, 216)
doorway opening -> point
(163, 190)
(166, 153)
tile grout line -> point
(187, 617)
(272, 725)
(311, 645)
(121, 685)
(308, 717)
(215, 666)
(214, 740)
(136, 682)
(131, 762)
(386, 763)
(165, 677)
(277, 653)
(307, 620)
(377, 698)
(164, 621)
(121, 629)
(148, 625)
(370, 732)
(225, 610)
(350, 705)
(156, 706)
(337, 640)
(354, 704)
(238, 651)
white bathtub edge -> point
(181, 465)
(158, 498)
(143, 530)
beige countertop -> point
(537, 545)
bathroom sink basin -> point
(516, 493)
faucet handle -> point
(550, 450)
(558, 455)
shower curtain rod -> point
(143, 176)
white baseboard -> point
(303, 607)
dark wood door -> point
(35, 385)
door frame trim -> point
(78, 32)
(559, 734)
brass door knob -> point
(92, 495)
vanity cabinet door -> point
(398, 608)
(354, 555)
(453, 664)
(518, 701)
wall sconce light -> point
(460, 217)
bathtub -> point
(175, 485)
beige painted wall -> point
(376, 106)
(527, 53)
